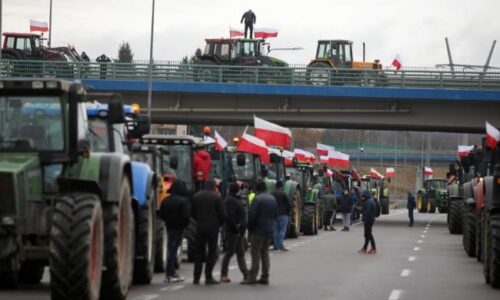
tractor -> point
(372, 185)
(457, 177)
(63, 205)
(248, 53)
(434, 194)
(334, 65)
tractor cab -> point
(338, 53)
(220, 50)
(29, 46)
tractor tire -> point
(145, 246)
(384, 203)
(76, 247)
(486, 249)
(308, 219)
(455, 216)
(479, 236)
(421, 203)
(318, 74)
(431, 206)
(31, 273)
(295, 219)
(119, 255)
(161, 246)
(469, 231)
(494, 255)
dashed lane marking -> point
(405, 273)
(420, 241)
(146, 297)
(425, 231)
(170, 289)
(395, 294)
(416, 248)
(411, 258)
(422, 236)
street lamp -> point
(150, 71)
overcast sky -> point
(413, 29)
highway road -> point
(422, 262)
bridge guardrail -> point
(298, 75)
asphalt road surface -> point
(423, 262)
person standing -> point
(411, 204)
(207, 209)
(85, 64)
(174, 211)
(369, 214)
(330, 211)
(346, 208)
(250, 18)
(281, 223)
(103, 60)
(355, 202)
(202, 164)
(261, 216)
(234, 232)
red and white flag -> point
(390, 172)
(492, 135)
(397, 62)
(428, 171)
(323, 149)
(338, 159)
(250, 144)
(288, 156)
(329, 173)
(463, 151)
(272, 134)
(375, 174)
(264, 33)
(233, 32)
(304, 156)
(323, 159)
(220, 142)
(38, 26)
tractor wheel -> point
(307, 224)
(469, 230)
(31, 273)
(295, 219)
(486, 249)
(479, 236)
(318, 74)
(421, 203)
(494, 254)
(76, 247)
(384, 203)
(161, 246)
(144, 263)
(431, 206)
(455, 216)
(119, 256)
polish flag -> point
(323, 149)
(323, 159)
(250, 144)
(390, 172)
(264, 33)
(304, 156)
(208, 140)
(329, 173)
(233, 32)
(271, 133)
(338, 159)
(355, 175)
(375, 174)
(463, 151)
(38, 26)
(492, 135)
(428, 171)
(397, 62)
(289, 156)
(220, 142)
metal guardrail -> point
(297, 75)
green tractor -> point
(433, 196)
(61, 207)
(456, 201)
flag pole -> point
(50, 25)
(1, 19)
(150, 69)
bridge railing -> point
(297, 75)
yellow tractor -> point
(334, 65)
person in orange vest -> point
(202, 164)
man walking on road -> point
(174, 211)
(346, 205)
(369, 213)
(234, 232)
(208, 212)
(411, 204)
(330, 202)
(281, 223)
(263, 211)
(250, 18)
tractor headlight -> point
(8, 221)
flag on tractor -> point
(492, 135)
(233, 32)
(375, 174)
(463, 151)
(322, 150)
(38, 26)
(397, 62)
(304, 156)
(338, 159)
(220, 142)
(428, 171)
(272, 134)
(264, 33)
(390, 172)
(251, 144)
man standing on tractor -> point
(103, 60)
(369, 213)
(250, 19)
(202, 164)
(281, 223)
(411, 206)
(86, 61)
(330, 202)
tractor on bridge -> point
(334, 64)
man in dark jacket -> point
(281, 223)
(250, 18)
(411, 206)
(346, 205)
(369, 214)
(262, 213)
(207, 209)
(174, 211)
(330, 207)
(234, 232)
(103, 60)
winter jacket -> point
(411, 204)
(284, 206)
(346, 204)
(236, 221)
(207, 209)
(249, 17)
(262, 214)
(174, 210)
(354, 198)
(202, 164)
(330, 201)
(369, 211)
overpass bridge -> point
(409, 99)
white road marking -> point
(405, 273)
(411, 258)
(395, 294)
(422, 236)
(425, 231)
(233, 267)
(416, 249)
(147, 297)
(420, 241)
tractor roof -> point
(336, 41)
(166, 139)
(20, 34)
(251, 40)
(220, 40)
(36, 85)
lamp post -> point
(150, 71)
(1, 19)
